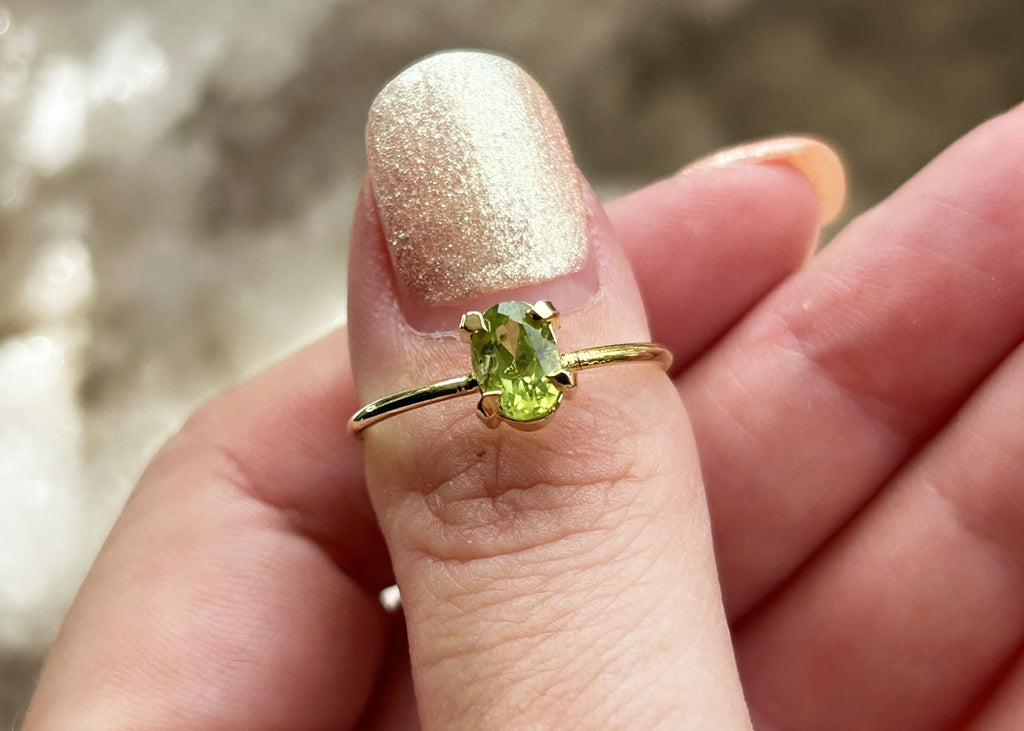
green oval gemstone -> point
(515, 354)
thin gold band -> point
(443, 390)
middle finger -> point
(805, 409)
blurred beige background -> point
(176, 181)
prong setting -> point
(544, 310)
(564, 379)
(487, 408)
(514, 355)
(471, 322)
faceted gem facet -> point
(515, 354)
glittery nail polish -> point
(475, 183)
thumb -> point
(561, 576)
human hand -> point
(857, 423)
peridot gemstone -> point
(515, 354)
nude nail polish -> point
(475, 184)
(816, 160)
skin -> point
(854, 420)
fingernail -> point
(476, 187)
(816, 160)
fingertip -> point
(815, 159)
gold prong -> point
(470, 323)
(544, 310)
(487, 408)
(563, 378)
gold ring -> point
(517, 368)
